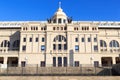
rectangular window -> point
(65, 28)
(95, 39)
(76, 63)
(24, 39)
(65, 40)
(53, 28)
(95, 48)
(36, 39)
(59, 61)
(30, 40)
(89, 39)
(42, 63)
(24, 48)
(54, 46)
(54, 21)
(76, 39)
(76, 47)
(64, 21)
(59, 20)
(54, 61)
(43, 39)
(65, 61)
(83, 39)
(59, 46)
(42, 47)
(96, 63)
(65, 46)
(60, 38)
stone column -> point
(113, 60)
(5, 60)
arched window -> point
(114, 43)
(61, 43)
(59, 20)
(59, 38)
(103, 43)
(5, 43)
(16, 43)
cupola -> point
(59, 17)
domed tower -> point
(60, 17)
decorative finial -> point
(59, 4)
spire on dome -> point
(59, 17)
(59, 4)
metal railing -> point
(37, 70)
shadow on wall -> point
(110, 71)
(15, 41)
(116, 70)
(105, 72)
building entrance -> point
(12, 61)
(106, 61)
(59, 61)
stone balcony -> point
(6, 51)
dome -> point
(60, 13)
(59, 16)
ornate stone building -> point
(59, 42)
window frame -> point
(95, 48)
(82, 39)
(42, 47)
(24, 39)
(89, 39)
(43, 39)
(76, 40)
(30, 39)
(24, 48)
(76, 47)
(36, 39)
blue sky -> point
(39, 10)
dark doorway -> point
(106, 61)
(42, 63)
(59, 61)
(77, 63)
(12, 61)
(54, 61)
(117, 60)
(65, 61)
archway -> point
(60, 43)
(5, 43)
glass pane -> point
(59, 61)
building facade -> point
(59, 42)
